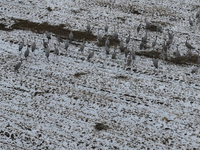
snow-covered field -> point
(60, 104)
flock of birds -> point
(129, 54)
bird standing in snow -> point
(82, 46)
(106, 28)
(107, 43)
(178, 55)
(129, 60)
(155, 62)
(59, 39)
(71, 36)
(138, 28)
(56, 51)
(18, 65)
(26, 53)
(47, 52)
(188, 45)
(190, 22)
(115, 34)
(128, 37)
(33, 45)
(48, 36)
(99, 38)
(107, 50)
(121, 46)
(198, 59)
(133, 53)
(91, 54)
(114, 55)
(45, 44)
(66, 44)
(154, 43)
(21, 45)
(88, 28)
(195, 70)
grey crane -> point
(198, 14)
(115, 34)
(170, 39)
(88, 28)
(121, 46)
(45, 44)
(21, 45)
(71, 36)
(155, 62)
(107, 43)
(188, 45)
(126, 52)
(56, 51)
(195, 70)
(198, 59)
(159, 28)
(33, 45)
(66, 44)
(154, 43)
(114, 54)
(170, 35)
(148, 24)
(99, 38)
(144, 39)
(47, 52)
(129, 60)
(106, 27)
(169, 42)
(164, 53)
(164, 46)
(141, 45)
(18, 65)
(133, 53)
(128, 37)
(138, 28)
(48, 36)
(82, 46)
(59, 39)
(198, 21)
(91, 54)
(26, 53)
(178, 55)
(190, 22)
(107, 50)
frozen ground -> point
(57, 104)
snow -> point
(56, 104)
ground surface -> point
(72, 103)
